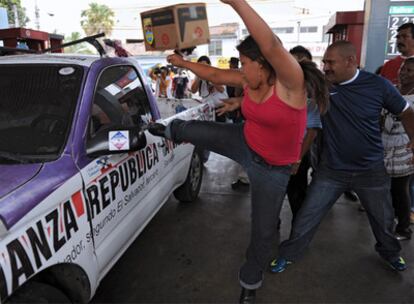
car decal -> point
(27, 253)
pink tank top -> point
(273, 129)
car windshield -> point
(36, 108)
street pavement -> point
(191, 253)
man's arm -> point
(310, 136)
(229, 105)
(308, 140)
(407, 119)
(219, 88)
(195, 85)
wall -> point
(228, 48)
(379, 28)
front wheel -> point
(188, 192)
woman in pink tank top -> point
(274, 105)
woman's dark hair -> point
(205, 59)
(249, 48)
(316, 85)
(301, 52)
(315, 82)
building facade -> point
(225, 37)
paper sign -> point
(118, 140)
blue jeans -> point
(373, 189)
(267, 184)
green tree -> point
(97, 18)
(21, 12)
(81, 48)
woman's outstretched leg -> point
(224, 139)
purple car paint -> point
(14, 176)
(33, 190)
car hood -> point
(14, 176)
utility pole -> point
(16, 16)
(302, 11)
(37, 16)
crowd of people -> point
(170, 82)
(289, 116)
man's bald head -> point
(344, 48)
(340, 63)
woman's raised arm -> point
(289, 72)
(217, 76)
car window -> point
(37, 103)
(119, 101)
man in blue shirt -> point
(352, 156)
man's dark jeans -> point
(267, 184)
(373, 189)
(298, 185)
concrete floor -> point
(191, 253)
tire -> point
(205, 155)
(188, 192)
(37, 292)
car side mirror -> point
(116, 140)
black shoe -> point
(403, 235)
(351, 195)
(157, 129)
(247, 296)
(238, 184)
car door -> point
(120, 187)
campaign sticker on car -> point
(118, 140)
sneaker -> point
(398, 264)
(279, 265)
(402, 237)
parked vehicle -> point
(80, 177)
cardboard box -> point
(177, 26)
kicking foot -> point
(157, 129)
